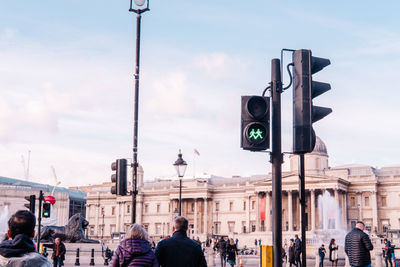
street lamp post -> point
(180, 166)
(138, 11)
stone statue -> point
(73, 232)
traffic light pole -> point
(276, 160)
(302, 191)
(41, 198)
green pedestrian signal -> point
(255, 133)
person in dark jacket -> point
(59, 250)
(321, 253)
(292, 254)
(221, 246)
(297, 250)
(19, 249)
(358, 246)
(135, 250)
(231, 250)
(387, 252)
(179, 250)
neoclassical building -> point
(241, 207)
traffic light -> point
(255, 123)
(31, 205)
(46, 210)
(119, 177)
(304, 90)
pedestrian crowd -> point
(178, 250)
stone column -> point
(195, 216)
(117, 207)
(205, 217)
(139, 210)
(258, 212)
(346, 209)
(374, 211)
(337, 219)
(312, 193)
(290, 210)
(96, 226)
(267, 212)
(122, 222)
(360, 206)
(248, 215)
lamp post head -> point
(180, 165)
(137, 4)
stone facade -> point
(232, 206)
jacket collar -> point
(180, 233)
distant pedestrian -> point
(58, 255)
(134, 250)
(179, 250)
(333, 252)
(19, 250)
(358, 246)
(231, 250)
(221, 247)
(237, 242)
(387, 252)
(292, 253)
(297, 249)
(321, 253)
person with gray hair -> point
(357, 246)
(135, 250)
(179, 250)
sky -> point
(67, 88)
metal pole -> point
(180, 196)
(276, 159)
(303, 210)
(39, 218)
(136, 116)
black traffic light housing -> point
(304, 90)
(46, 210)
(255, 123)
(31, 205)
(119, 177)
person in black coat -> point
(221, 246)
(358, 246)
(387, 252)
(297, 250)
(292, 254)
(179, 250)
(321, 253)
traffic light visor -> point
(257, 107)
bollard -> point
(92, 258)
(77, 258)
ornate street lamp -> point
(136, 7)
(180, 166)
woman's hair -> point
(136, 231)
(231, 242)
(331, 243)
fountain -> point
(4, 216)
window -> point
(353, 201)
(244, 226)
(112, 228)
(244, 205)
(113, 211)
(384, 204)
(230, 205)
(146, 227)
(253, 227)
(366, 201)
(158, 228)
(128, 209)
(102, 210)
(216, 206)
(146, 208)
(192, 206)
(158, 208)
(253, 205)
(217, 227)
(91, 230)
(231, 227)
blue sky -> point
(66, 71)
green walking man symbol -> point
(256, 134)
